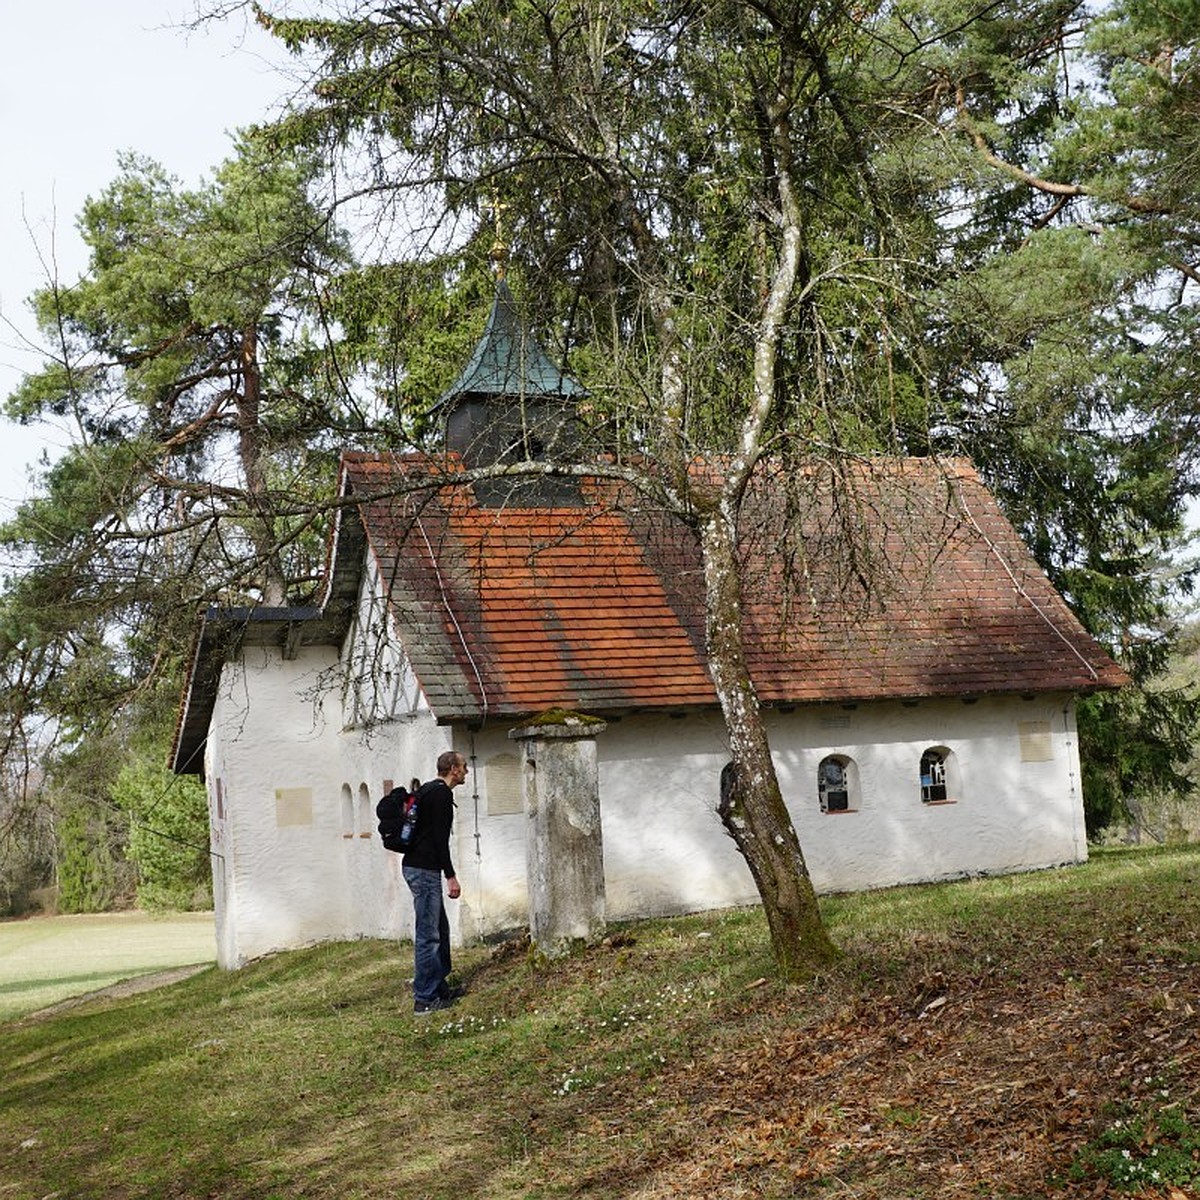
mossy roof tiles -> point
(902, 580)
(905, 581)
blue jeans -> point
(431, 936)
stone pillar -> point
(564, 849)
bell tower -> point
(511, 404)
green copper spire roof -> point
(508, 361)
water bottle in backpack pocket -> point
(397, 813)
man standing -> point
(427, 860)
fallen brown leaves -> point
(944, 1085)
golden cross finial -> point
(499, 251)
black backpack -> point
(397, 813)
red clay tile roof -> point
(907, 583)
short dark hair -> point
(448, 760)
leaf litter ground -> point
(955, 1066)
(1033, 1036)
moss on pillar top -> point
(559, 722)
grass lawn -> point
(44, 960)
(1024, 1038)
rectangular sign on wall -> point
(503, 781)
(293, 806)
(1036, 743)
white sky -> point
(80, 82)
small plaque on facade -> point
(1036, 743)
(835, 721)
(293, 806)
(503, 775)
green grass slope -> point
(1032, 1036)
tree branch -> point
(1137, 204)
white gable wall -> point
(264, 746)
(380, 684)
(292, 799)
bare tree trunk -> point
(262, 527)
(752, 808)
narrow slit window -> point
(364, 811)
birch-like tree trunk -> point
(751, 804)
(261, 526)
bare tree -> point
(693, 199)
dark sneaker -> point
(422, 1007)
(453, 993)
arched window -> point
(938, 781)
(347, 811)
(364, 810)
(837, 784)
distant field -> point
(44, 960)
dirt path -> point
(117, 991)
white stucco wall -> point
(1012, 809)
(292, 793)
(1016, 805)
(292, 796)
(666, 851)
